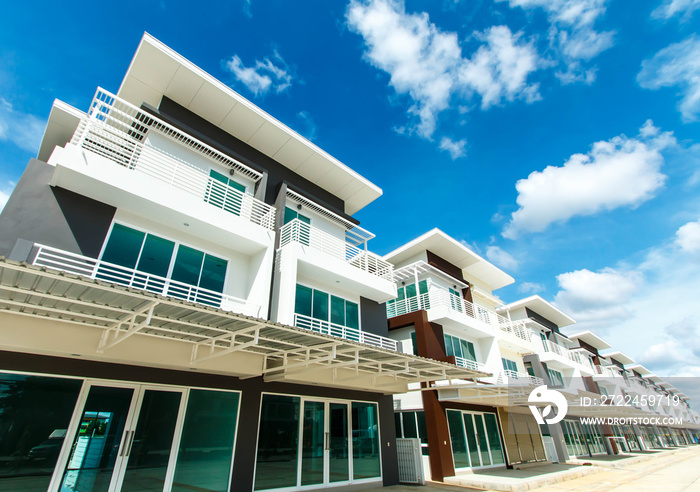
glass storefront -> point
(475, 439)
(73, 435)
(309, 441)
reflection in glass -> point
(278, 439)
(494, 438)
(459, 443)
(206, 445)
(150, 446)
(312, 443)
(471, 440)
(338, 465)
(97, 443)
(481, 436)
(365, 441)
(34, 416)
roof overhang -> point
(123, 316)
(620, 357)
(454, 252)
(591, 339)
(63, 121)
(541, 307)
(638, 368)
(156, 71)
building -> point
(187, 302)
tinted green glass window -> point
(291, 214)
(411, 290)
(494, 438)
(449, 350)
(207, 441)
(459, 443)
(302, 304)
(401, 292)
(397, 425)
(337, 310)
(188, 265)
(320, 305)
(410, 429)
(352, 315)
(468, 350)
(423, 286)
(213, 273)
(34, 414)
(365, 438)
(414, 343)
(278, 440)
(123, 246)
(509, 365)
(471, 439)
(156, 255)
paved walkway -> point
(676, 470)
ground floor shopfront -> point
(76, 425)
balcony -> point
(57, 259)
(512, 378)
(560, 356)
(471, 364)
(335, 330)
(515, 335)
(157, 166)
(441, 304)
(302, 233)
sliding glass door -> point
(475, 439)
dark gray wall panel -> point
(56, 217)
(373, 317)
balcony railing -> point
(517, 328)
(575, 357)
(57, 259)
(470, 364)
(118, 131)
(307, 235)
(606, 371)
(518, 378)
(340, 331)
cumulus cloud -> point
(456, 149)
(22, 129)
(501, 258)
(530, 288)
(264, 76)
(677, 65)
(572, 35)
(615, 173)
(671, 8)
(426, 63)
(688, 237)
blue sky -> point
(558, 138)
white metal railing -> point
(555, 348)
(57, 259)
(340, 331)
(471, 364)
(303, 233)
(118, 131)
(512, 377)
(517, 328)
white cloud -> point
(671, 8)
(618, 172)
(264, 76)
(677, 65)
(501, 258)
(22, 129)
(688, 237)
(571, 34)
(310, 128)
(530, 288)
(597, 298)
(456, 149)
(426, 63)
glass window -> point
(468, 350)
(449, 349)
(156, 255)
(188, 265)
(365, 440)
(411, 290)
(302, 303)
(338, 310)
(459, 442)
(509, 365)
(221, 195)
(494, 438)
(290, 214)
(410, 429)
(555, 377)
(213, 273)
(208, 434)
(320, 305)
(414, 342)
(34, 415)
(123, 246)
(278, 440)
(352, 315)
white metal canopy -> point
(287, 352)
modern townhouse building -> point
(446, 310)
(187, 303)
